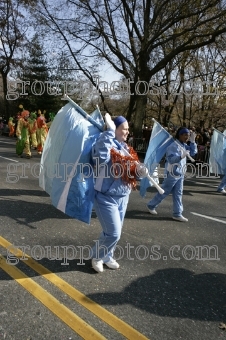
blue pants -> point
(111, 211)
(170, 185)
(222, 184)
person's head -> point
(25, 114)
(33, 115)
(122, 128)
(182, 134)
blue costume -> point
(222, 185)
(111, 196)
(173, 183)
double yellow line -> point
(65, 314)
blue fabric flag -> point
(217, 159)
(66, 171)
(97, 117)
(159, 142)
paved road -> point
(167, 287)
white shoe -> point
(152, 211)
(222, 191)
(180, 218)
(112, 264)
(97, 265)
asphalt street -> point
(168, 286)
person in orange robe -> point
(11, 126)
(41, 132)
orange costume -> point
(23, 135)
(41, 132)
(11, 126)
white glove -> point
(19, 137)
(192, 136)
(184, 153)
(109, 122)
(141, 170)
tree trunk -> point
(132, 103)
(167, 115)
(141, 104)
(141, 90)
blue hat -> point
(119, 120)
(184, 130)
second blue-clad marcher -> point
(222, 186)
(175, 169)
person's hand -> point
(142, 171)
(109, 122)
(19, 137)
(192, 136)
(184, 153)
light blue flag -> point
(66, 171)
(159, 141)
(217, 159)
(97, 117)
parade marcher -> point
(41, 132)
(32, 124)
(17, 117)
(222, 186)
(23, 136)
(11, 126)
(175, 169)
(111, 193)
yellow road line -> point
(112, 320)
(65, 314)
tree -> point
(129, 35)
(36, 72)
(12, 37)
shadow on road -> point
(174, 293)
(24, 212)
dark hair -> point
(178, 131)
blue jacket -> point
(105, 180)
(174, 163)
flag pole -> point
(82, 112)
